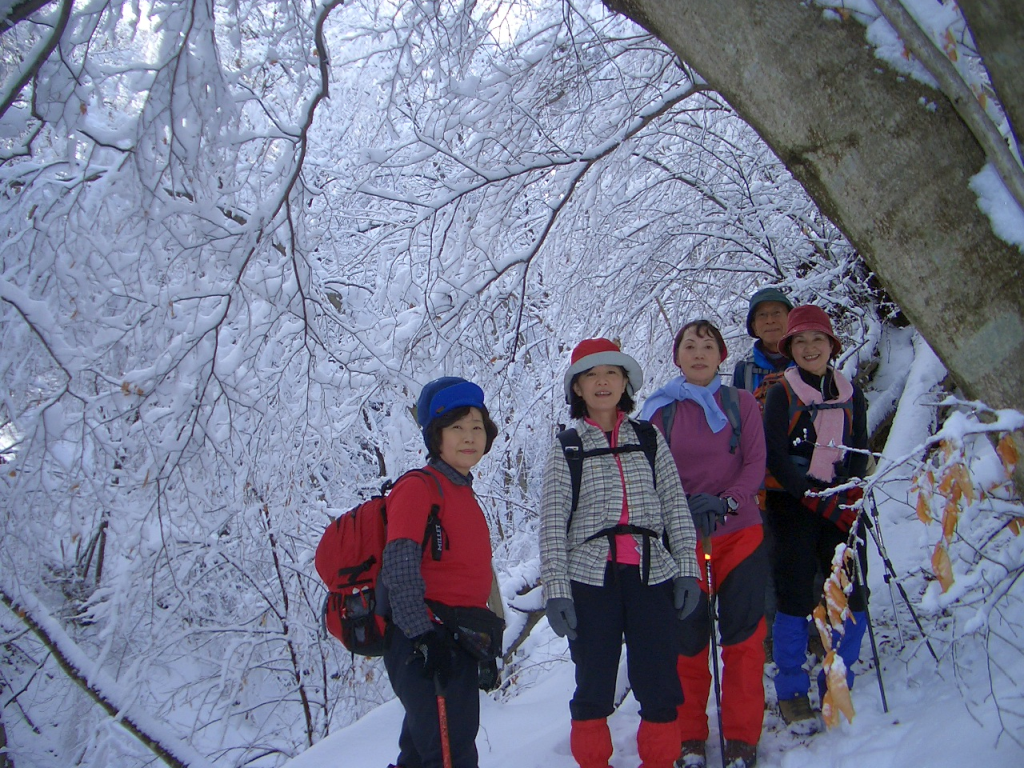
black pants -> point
(803, 543)
(420, 740)
(645, 616)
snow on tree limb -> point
(959, 94)
(100, 686)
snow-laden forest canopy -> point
(237, 239)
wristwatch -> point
(732, 504)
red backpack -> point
(348, 559)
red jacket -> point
(462, 577)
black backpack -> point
(572, 449)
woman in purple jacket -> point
(717, 441)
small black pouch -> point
(478, 631)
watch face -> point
(731, 503)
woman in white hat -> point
(611, 493)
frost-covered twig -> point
(100, 687)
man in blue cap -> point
(767, 317)
(766, 321)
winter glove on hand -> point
(561, 613)
(706, 510)
(685, 593)
(487, 677)
(832, 507)
(434, 655)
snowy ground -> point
(928, 723)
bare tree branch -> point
(99, 687)
(959, 94)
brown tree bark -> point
(885, 157)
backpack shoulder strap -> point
(433, 533)
(648, 436)
(731, 406)
(748, 375)
(668, 418)
(572, 449)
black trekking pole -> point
(706, 543)
(885, 575)
(867, 617)
(442, 721)
(890, 572)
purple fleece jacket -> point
(705, 464)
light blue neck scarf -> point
(680, 389)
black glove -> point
(487, 678)
(561, 613)
(685, 594)
(707, 511)
(434, 654)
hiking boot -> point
(815, 646)
(739, 754)
(799, 716)
(692, 755)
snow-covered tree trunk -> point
(998, 31)
(885, 157)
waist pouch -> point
(478, 631)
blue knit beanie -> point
(443, 395)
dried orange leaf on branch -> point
(950, 517)
(1008, 453)
(924, 507)
(949, 45)
(822, 625)
(946, 483)
(836, 600)
(942, 567)
(837, 697)
(963, 481)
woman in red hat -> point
(811, 417)
(607, 574)
(717, 443)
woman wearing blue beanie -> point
(437, 569)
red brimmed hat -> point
(593, 352)
(808, 318)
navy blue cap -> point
(443, 395)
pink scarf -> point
(828, 423)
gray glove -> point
(685, 594)
(707, 511)
(561, 613)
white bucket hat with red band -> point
(593, 352)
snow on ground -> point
(928, 722)
(927, 725)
